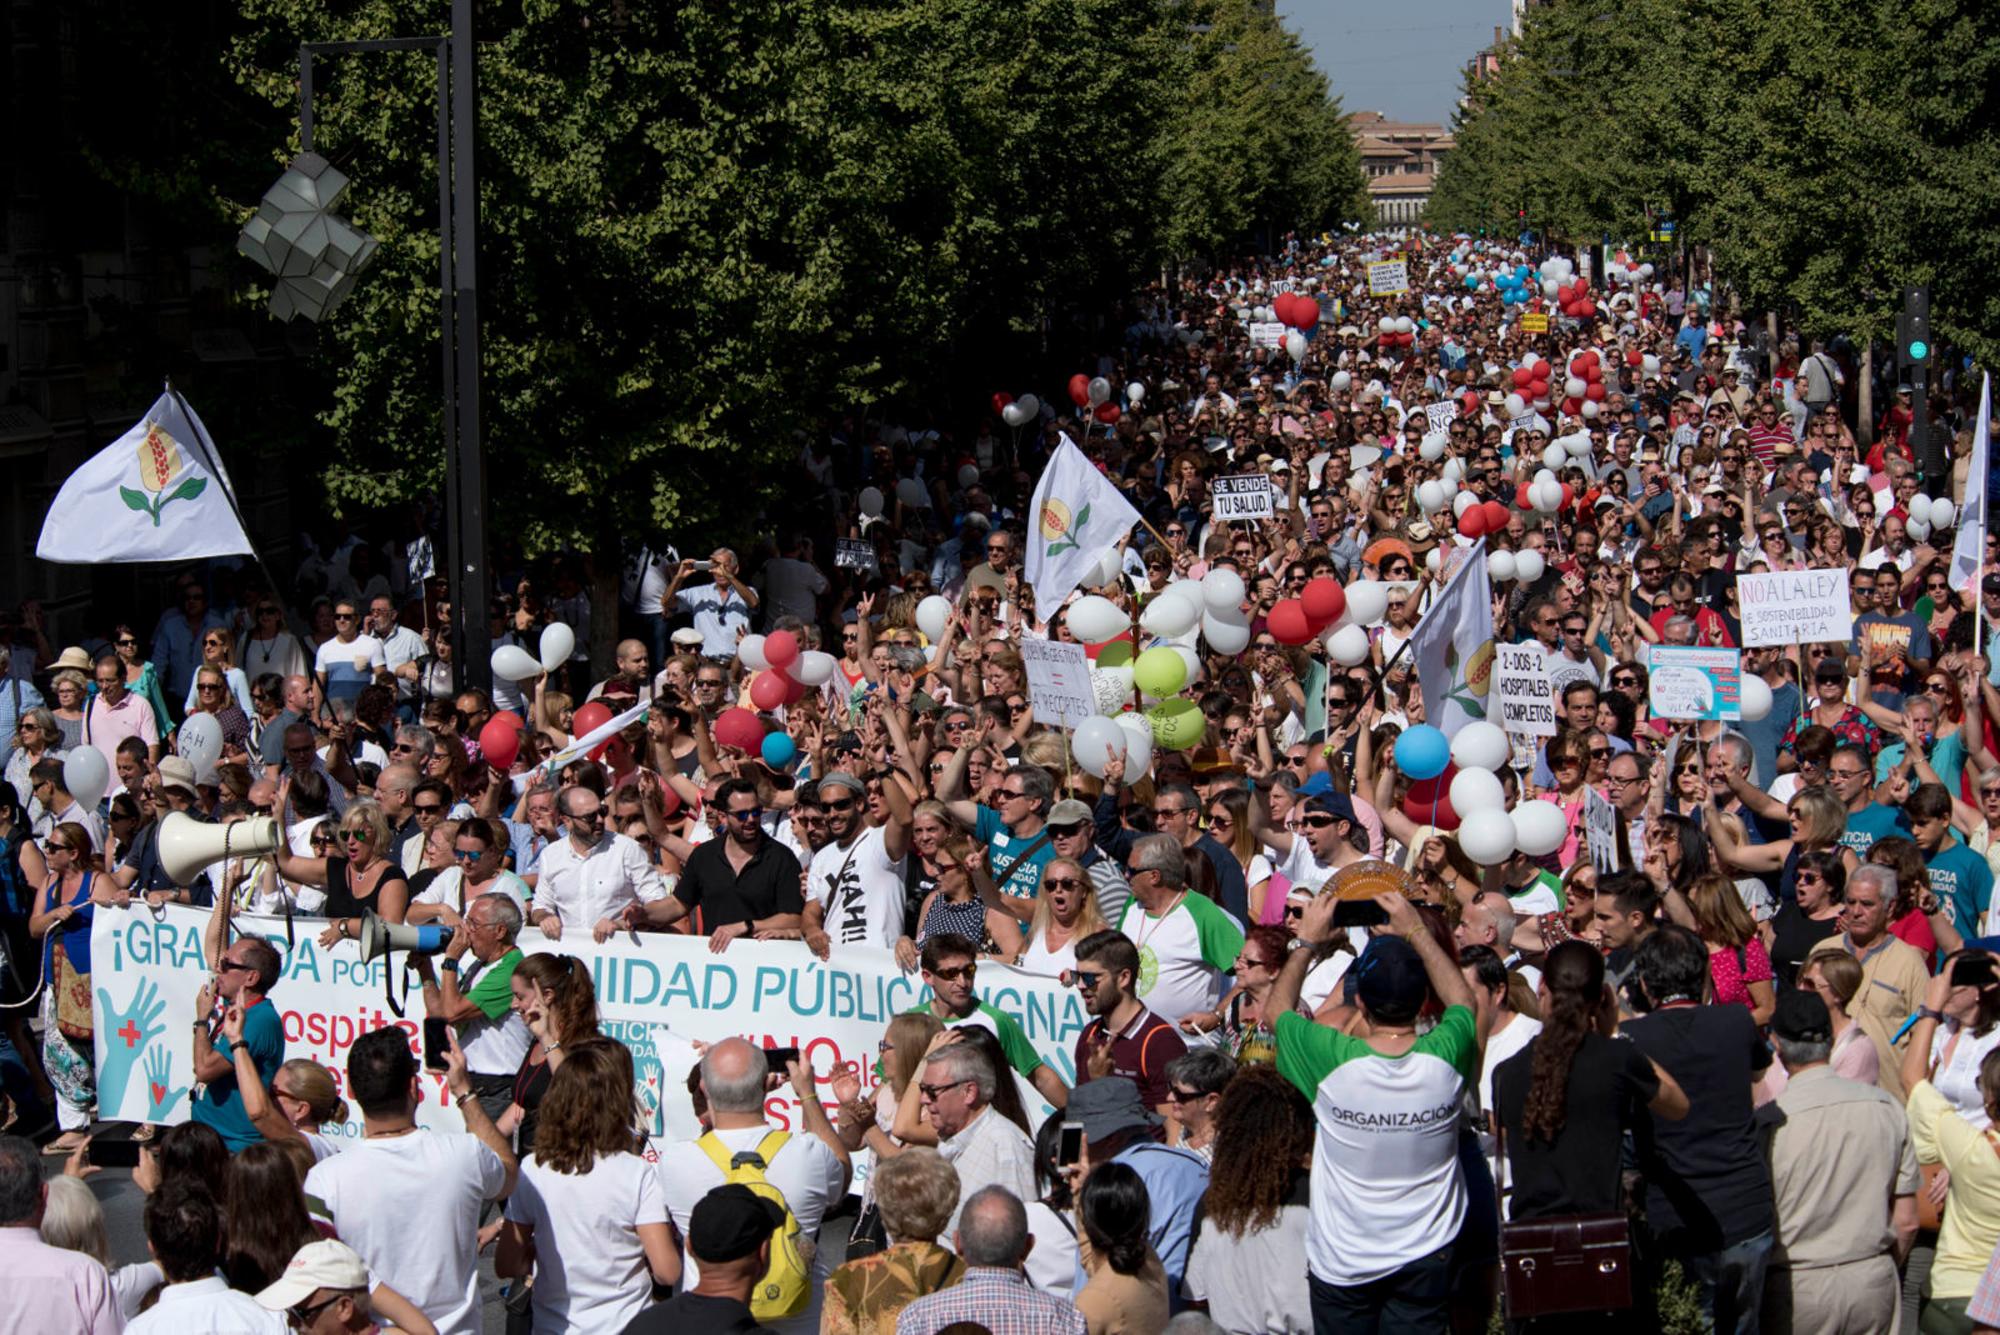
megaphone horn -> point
(188, 845)
(378, 938)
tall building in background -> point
(1400, 159)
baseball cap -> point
(1801, 1017)
(317, 1265)
(840, 778)
(176, 772)
(1991, 584)
(1069, 811)
(1108, 1105)
(731, 1222)
(1390, 980)
(1331, 803)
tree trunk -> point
(1864, 400)
(604, 568)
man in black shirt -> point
(740, 883)
(1708, 1184)
(729, 1234)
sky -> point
(1401, 60)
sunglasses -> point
(962, 974)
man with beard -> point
(742, 883)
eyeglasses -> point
(1161, 813)
(303, 1316)
(1318, 821)
(593, 817)
(843, 804)
(427, 808)
(207, 686)
(1178, 1095)
(343, 616)
(1600, 753)
(932, 1093)
(1847, 773)
(354, 836)
(1006, 795)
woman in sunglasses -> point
(358, 878)
(267, 646)
(958, 905)
(141, 677)
(71, 892)
(217, 652)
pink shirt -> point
(104, 726)
(50, 1289)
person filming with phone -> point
(477, 999)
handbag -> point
(870, 1235)
(1567, 1263)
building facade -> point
(1400, 160)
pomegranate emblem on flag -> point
(162, 474)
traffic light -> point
(1913, 329)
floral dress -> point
(1852, 726)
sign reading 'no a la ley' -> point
(1795, 607)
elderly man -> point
(115, 713)
(993, 1240)
(957, 1084)
(810, 1171)
(395, 788)
(1844, 1175)
(1894, 974)
(1015, 834)
(721, 608)
(328, 1285)
(1186, 944)
(479, 1005)
(593, 876)
(49, 1288)
(403, 653)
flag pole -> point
(211, 459)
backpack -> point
(785, 1288)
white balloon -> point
(1480, 745)
(1030, 405)
(1530, 564)
(1942, 514)
(1014, 414)
(813, 668)
(1486, 837)
(1431, 447)
(1476, 790)
(1295, 346)
(1539, 828)
(1434, 560)
(1100, 390)
(1094, 620)
(1546, 475)
(1918, 530)
(1430, 496)
(199, 742)
(1577, 446)
(934, 617)
(1096, 741)
(1405, 325)
(1224, 637)
(968, 476)
(1755, 697)
(1193, 661)
(1462, 502)
(1590, 408)
(1448, 484)
(1649, 364)
(1516, 405)
(1554, 456)
(1549, 288)
(1135, 392)
(1113, 688)
(750, 653)
(558, 643)
(912, 494)
(1368, 600)
(1645, 271)
(1500, 569)
(1348, 645)
(1575, 385)
(1138, 745)
(86, 776)
(513, 663)
(870, 501)
(1170, 615)
(1341, 381)
(1222, 590)
(1386, 325)
(1453, 470)
(1546, 497)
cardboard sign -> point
(1600, 828)
(1521, 684)
(1795, 607)
(1438, 417)
(1693, 683)
(1245, 496)
(853, 554)
(1534, 322)
(1387, 278)
(1059, 686)
(1267, 333)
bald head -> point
(633, 658)
(993, 1229)
(298, 695)
(394, 787)
(732, 1075)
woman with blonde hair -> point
(1818, 821)
(1065, 913)
(588, 1217)
(1739, 968)
(917, 1193)
(904, 1046)
(359, 877)
(73, 1219)
(1836, 976)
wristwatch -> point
(1926, 1013)
(448, 963)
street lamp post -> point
(458, 283)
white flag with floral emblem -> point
(157, 493)
(1078, 516)
(1453, 646)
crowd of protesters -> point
(1754, 1040)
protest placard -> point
(1534, 322)
(853, 554)
(658, 993)
(1267, 333)
(1600, 828)
(1059, 684)
(1388, 278)
(1521, 684)
(1696, 683)
(1245, 496)
(1795, 607)
(1439, 416)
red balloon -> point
(1524, 376)
(781, 649)
(1471, 401)
(1543, 371)
(1593, 373)
(1429, 790)
(740, 728)
(1000, 401)
(1442, 816)
(670, 800)
(1108, 412)
(1324, 600)
(1473, 522)
(1288, 622)
(500, 741)
(1521, 496)
(1594, 391)
(1566, 293)
(1586, 309)
(589, 717)
(1305, 313)
(795, 690)
(1582, 286)
(1590, 357)
(1281, 306)
(1079, 390)
(1496, 515)
(1572, 407)
(767, 690)
(1634, 357)
(1540, 388)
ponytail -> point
(1574, 976)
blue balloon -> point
(1472, 281)
(1422, 752)
(779, 749)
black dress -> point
(342, 902)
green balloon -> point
(1177, 724)
(1160, 672)
(1117, 653)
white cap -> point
(315, 1266)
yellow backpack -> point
(785, 1288)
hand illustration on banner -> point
(128, 1032)
(160, 1096)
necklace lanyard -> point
(1159, 921)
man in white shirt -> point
(408, 1199)
(957, 1082)
(350, 660)
(592, 876)
(1185, 941)
(184, 1233)
(855, 882)
(403, 652)
(810, 1171)
(721, 608)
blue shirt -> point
(1947, 758)
(221, 1103)
(1766, 733)
(1963, 883)
(1871, 823)
(1003, 850)
(1175, 1181)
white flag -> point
(157, 493)
(1453, 646)
(1968, 554)
(1079, 516)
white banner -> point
(657, 993)
(1244, 496)
(1266, 333)
(1795, 607)
(1521, 685)
(1059, 685)
(1968, 549)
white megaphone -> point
(378, 938)
(188, 845)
